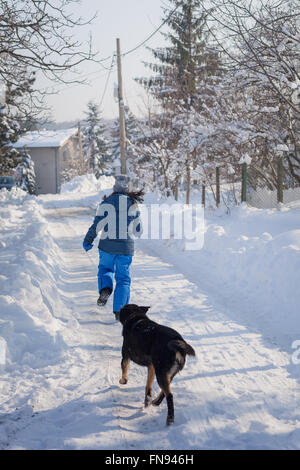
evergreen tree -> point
(9, 132)
(180, 86)
(95, 146)
(25, 174)
(188, 60)
(12, 117)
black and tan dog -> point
(155, 346)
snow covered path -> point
(237, 394)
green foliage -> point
(182, 65)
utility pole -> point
(121, 113)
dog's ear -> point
(144, 309)
(124, 312)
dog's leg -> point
(125, 367)
(164, 381)
(149, 385)
(157, 401)
(170, 402)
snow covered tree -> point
(156, 153)
(188, 59)
(95, 145)
(132, 130)
(12, 118)
(181, 72)
(9, 132)
(25, 174)
(264, 52)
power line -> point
(145, 40)
(107, 79)
(73, 84)
(112, 56)
(152, 34)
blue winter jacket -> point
(114, 216)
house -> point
(52, 152)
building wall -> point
(45, 169)
(67, 158)
(51, 162)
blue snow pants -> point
(118, 265)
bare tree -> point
(261, 41)
(37, 36)
(40, 34)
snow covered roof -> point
(45, 138)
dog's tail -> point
(181, 346)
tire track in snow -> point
(127, 407)
(252, 374)
(103, 329)
(73, 399)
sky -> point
(130, 20)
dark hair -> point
(135, 196)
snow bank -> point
(254, 257)
(82, 191)
(87, 184)
(29, 331)
(16, 195)
(250, 259)
(30, 260)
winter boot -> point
(104, 295)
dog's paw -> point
(170, 420)
(123, 381)
(147, 402)
(157, 401)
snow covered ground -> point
(236, 302)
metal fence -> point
(263, 188)
(263, 192)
